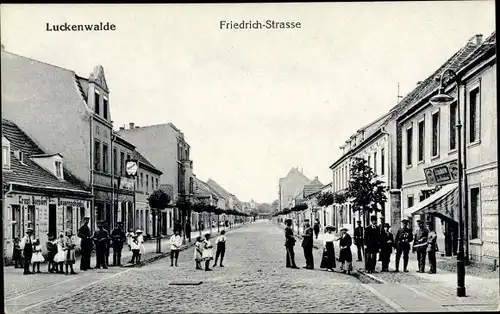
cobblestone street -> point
(254, 279)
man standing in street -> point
(118, 237)
(27, 246)
(358, 239)
(371, 240)
(307, 245)
(432, 247)
(85, 244)
(188, 230)
(317, 227)
(382, 231)
(101, 237)
(402, 243)
(420, 245)
(178, 227)
(289, 244)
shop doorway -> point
(53, 220)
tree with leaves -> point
(365, 193)
(158, 201)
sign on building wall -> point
(442, 174)
(126, 183)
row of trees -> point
(365, 192)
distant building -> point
(291, 185)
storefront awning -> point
(443, 204)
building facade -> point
(290, 186)
(38, 190)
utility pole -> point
(399, 97)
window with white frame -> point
(474, 109)
(453, 126)
(5, 156)
(421, 140)
(475, 213)
(435, 134)
(382, 161)
(59, 170)
(409, 145)
(375, 162)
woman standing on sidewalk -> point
(345, 254)
(328, 259)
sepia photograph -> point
(319, 157)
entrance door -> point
(53, 219)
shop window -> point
(16, 216)
(475, 213)
(82, 215)
(68, 215)
(474, 105)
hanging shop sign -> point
(442, 174)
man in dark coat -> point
(420, 245)
(85, 244)
(289, 244)
(101, 237)
(307, 245)
(108, 245)
(402, 243)
(358, 239)
(317, 227)
(118, 237)
(382, 231)
(371, 241)
(178, 227)
(188, 230)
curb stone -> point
(167, 254)
(367, 277)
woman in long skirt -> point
(328, 259)
(345, 254)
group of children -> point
(135, 241)
(60, 252)
(203, 251)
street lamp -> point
(443, 99)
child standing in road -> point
(198, 251)
(207, 252)
(221, 248)
(37, 257)
(135, 247)
(17, 254)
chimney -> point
(131, 125)
(122, 128)
(316, 178)
(419, 82)
(479, 39)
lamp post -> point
(443, 100)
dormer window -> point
(5, 153)
(19, 155)
(59, 170)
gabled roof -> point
(312, 187)
(219, 189)
(30, 173)
(489, 44)
(146, 162)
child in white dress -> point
(61, 253)
(198, 252)
(37, 257)
(140, 238)
(207, 253)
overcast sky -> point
(253, 103)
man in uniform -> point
(118, 237)
(307, 245)
(402, 244)
(382, 231)
(420, 245)
(289, 244)
(101, 237)
(371, 241)
(85, 244)
(358, 239)
(432, 247)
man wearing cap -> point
(27, 246)
(420, 245)
(85, 244)
(100, 238)
(432, 247)
(402, 244)
(372, 244)
(118, 237)
(289, 244)
(358, 239)
(382, 231)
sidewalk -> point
(414, 291)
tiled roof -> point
(31, 173)
(488, 44)
(144, 161)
